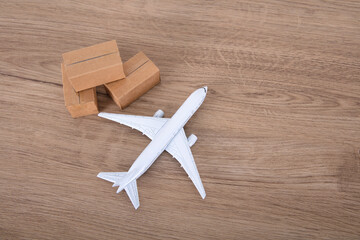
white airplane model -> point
(166, 134)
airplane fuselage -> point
(164, 136)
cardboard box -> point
(93, 66)
(78, 103)
(141, 75)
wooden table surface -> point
(278, 134)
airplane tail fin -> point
(130, 188)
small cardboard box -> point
(141, 75)
(78, 103)
(93, 66)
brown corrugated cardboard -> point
(78, 103)
(141, 75)
(93, 66)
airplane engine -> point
(192, 140)
(159, 113)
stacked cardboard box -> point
(85, 69)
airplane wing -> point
(147, 125)
(179, 147)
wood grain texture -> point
(279, 132)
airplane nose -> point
(205, 88)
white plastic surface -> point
(166, 134)
(192, 140)
(159, 113)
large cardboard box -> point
(78, 103)
(93, 66)
(141, 75)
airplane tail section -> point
(130, 188)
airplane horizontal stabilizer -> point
(132, 192)
(114, 177)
